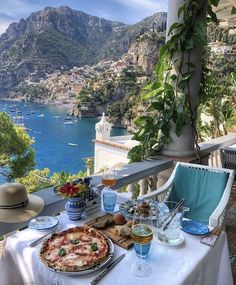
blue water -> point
(52, 136)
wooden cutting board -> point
(109, 231)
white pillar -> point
(183, 146)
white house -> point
(110, 151)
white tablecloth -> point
(191, 263)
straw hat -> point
(16, 205)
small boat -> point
(41, 115)
(72, 144)
(69, 123)
(56, 117)
(68, 119)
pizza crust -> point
(74, 250)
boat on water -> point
(56, 117)
(73, 144)
(41, 115)
(69, 123)
(68, 119)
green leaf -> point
(61, 252)
(140, 133)
(189, 44)
(233, 10)
(163, 50)
(140, 121)
(187, 75)
(212, 15)
(183, 84)
(74, 241)
(94, 246)
(159, 106)
(174, 27)
(195, 4)
(166, 129)
(135, 154)
(181, 9)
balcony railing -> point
(148, 174)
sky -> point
(127, 11)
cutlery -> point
(37, 241)
(107, 269)
(172, 214)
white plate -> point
(179, 241)
(90, 270)
(43, 223)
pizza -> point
(75, 249)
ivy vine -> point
(169, 95)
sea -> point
(61, 141)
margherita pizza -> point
(74, 250)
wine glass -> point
(142, 235)
(109, 196)
(109, 178)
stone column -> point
(183, 146)
(143, 186)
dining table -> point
(190, 263)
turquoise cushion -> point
(201, 189)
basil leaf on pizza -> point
(61, 252)
(74, 241)
(94, 246)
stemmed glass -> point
(142, 235)
(108, 178)
(109, 196)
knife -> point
(37, 241)
(107, 269)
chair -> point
(206, 191)
(228, 157)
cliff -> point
(61, 38)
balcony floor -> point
(231, 228)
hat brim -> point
(18, 215)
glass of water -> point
(109, 200)
(169, 234)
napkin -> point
(211, 238)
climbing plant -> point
(169, 95)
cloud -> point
(151, 5)
(19, 8)
(4, 25)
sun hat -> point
(16, 205)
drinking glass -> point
(108, 178)
(171, 233)
(142, 234)
(109, 196)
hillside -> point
(61, 38)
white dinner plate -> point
(43, 223)
(90, 270)
(129, 206)
(178, 241)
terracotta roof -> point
(113, 144)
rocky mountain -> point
(61, 38)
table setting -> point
(144, 242)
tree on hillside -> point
(16, 153)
